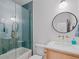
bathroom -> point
(30, 29)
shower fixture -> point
(15, 26)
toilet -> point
(36, 57)
(39, 53)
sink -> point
(62, 45)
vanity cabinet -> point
(52, 54)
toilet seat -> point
(36, 57)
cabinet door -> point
(55, 55)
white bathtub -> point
(19, 53)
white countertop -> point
(71, 49)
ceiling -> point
(22, 2)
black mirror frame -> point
(62, 13)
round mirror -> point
(64, 22)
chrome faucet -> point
(61, 36)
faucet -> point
(61, 36)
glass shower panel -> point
(25, 28)
(7, 18)
(27, 25)
(21, 30)
(24, 42)
(24, 21)
(14, 29)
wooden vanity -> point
(60, 51)
(52, 54)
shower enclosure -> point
(15, 26)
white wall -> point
(43, 13)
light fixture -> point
(63, 4)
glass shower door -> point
(14, 30)
(24, 43)
(7, 18)
(25, 28)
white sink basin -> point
(62, 44)
(63, 47)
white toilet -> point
(39, 53)
(36, 57)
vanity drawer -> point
(50, 54)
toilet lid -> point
(36, 57)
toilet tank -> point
(39, 50)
